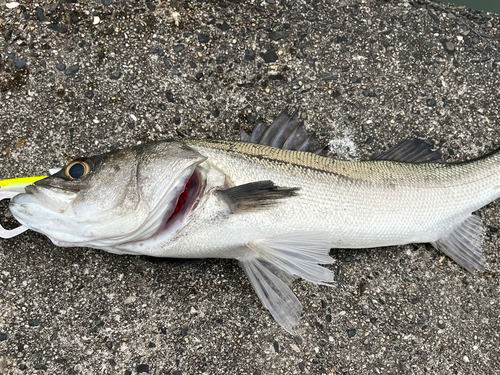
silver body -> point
(358, 204)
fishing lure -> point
(9, 189)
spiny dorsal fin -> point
(412, 151)
(286, 132)
(463, 244)
(256, 195)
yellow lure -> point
(9, 189)
(18, 184)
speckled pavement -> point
(85, 77)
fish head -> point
(108, 200)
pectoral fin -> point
(256, 195)
(272, 264)
(463, 244)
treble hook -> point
(8, 190)
(9, 233)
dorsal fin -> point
(412, 151)
(286, 132)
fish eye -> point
(77, 169)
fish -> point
(274, 200)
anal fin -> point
(272, 264)
(463, 244)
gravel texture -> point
(85, 77)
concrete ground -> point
(85, 77)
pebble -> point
(106, 2)
(72, 70)
(178, 47)
(269, 56)
(351, 333)
(249, 55)
(170, 96)
(19, 64)
(277, 35)
(449, 47)
(224, 26)
(115, 75)
(276, 347)
(431, 102)
(60, 29)
(202, 38)
(61, 66)
(142, 368)
(475, 40)
(40, 14)
(12, 5)
(199, 75)
(328, 76)
(89, 94)
(168, 63)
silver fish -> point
(271, 202)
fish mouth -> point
(51, 197)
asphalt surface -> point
(85, 77)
